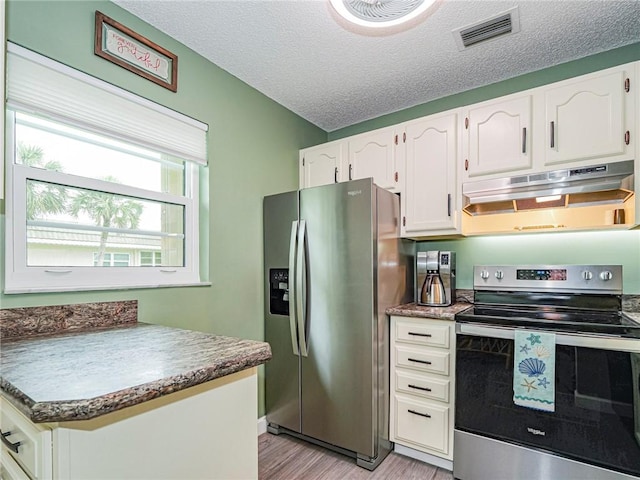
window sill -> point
(86, 288)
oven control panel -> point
(549, 278)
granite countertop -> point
(635, 316)
(83, 375)
(421, 311)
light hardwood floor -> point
(282, 457)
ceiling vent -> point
(504, 23)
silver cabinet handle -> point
(301, 289)
(292, 290)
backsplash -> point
(631, 303)
(51, 319)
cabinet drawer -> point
(435, 361)
(9, 469)
(422, 424)
(34, 449)
(423, 333)
(428, 387)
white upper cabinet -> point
(497, 137)
(374, 154)
(322, 164)
(430, 203)
(590, 118)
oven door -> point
(597, 406)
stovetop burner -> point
(549, 318)
(567, 298)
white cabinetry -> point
(498, 136)
(207, 431)
(26, 447)
(322, 164)
(422, 385)
(571, 123)
(375, 154)
(590, 117)
(431, 199)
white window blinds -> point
(40, 85)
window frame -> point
(21, 278)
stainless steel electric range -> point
(593, 431)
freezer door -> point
(282, 372)
(339, 369)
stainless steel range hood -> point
(597, 184)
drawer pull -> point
(420, 334)
(426, 415)
(425, 389)
(426, 362)
(11, 446)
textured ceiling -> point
(300, 55)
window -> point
(111, 259)
(150, 259)
(85, 193)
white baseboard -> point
(262, 425)
(424, 457)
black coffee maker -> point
(435, 278)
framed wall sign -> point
(124, 47)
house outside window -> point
(81, 197)
(111, 259)
(150, 259)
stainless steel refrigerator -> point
(333, 262)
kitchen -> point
(254, 143)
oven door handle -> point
(602, 342)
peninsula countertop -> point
(83, 375)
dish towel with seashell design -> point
(534, 370)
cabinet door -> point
(498, 137)
(372, 155)
(430, 201)
(320, 165)
(586, 119)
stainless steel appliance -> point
(596, 184)
(333, 263)
(435, 278)
(594, 431)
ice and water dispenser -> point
(279, 291)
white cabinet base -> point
(423, 457)
(204, 432)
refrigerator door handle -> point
(292, 287)
(301, 289)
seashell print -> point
(532, 367)
(541, 351)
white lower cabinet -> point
(207, 432)
(422, 385)
(26, 447)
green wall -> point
(253, 151)
(583, 248)
(615, 247)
